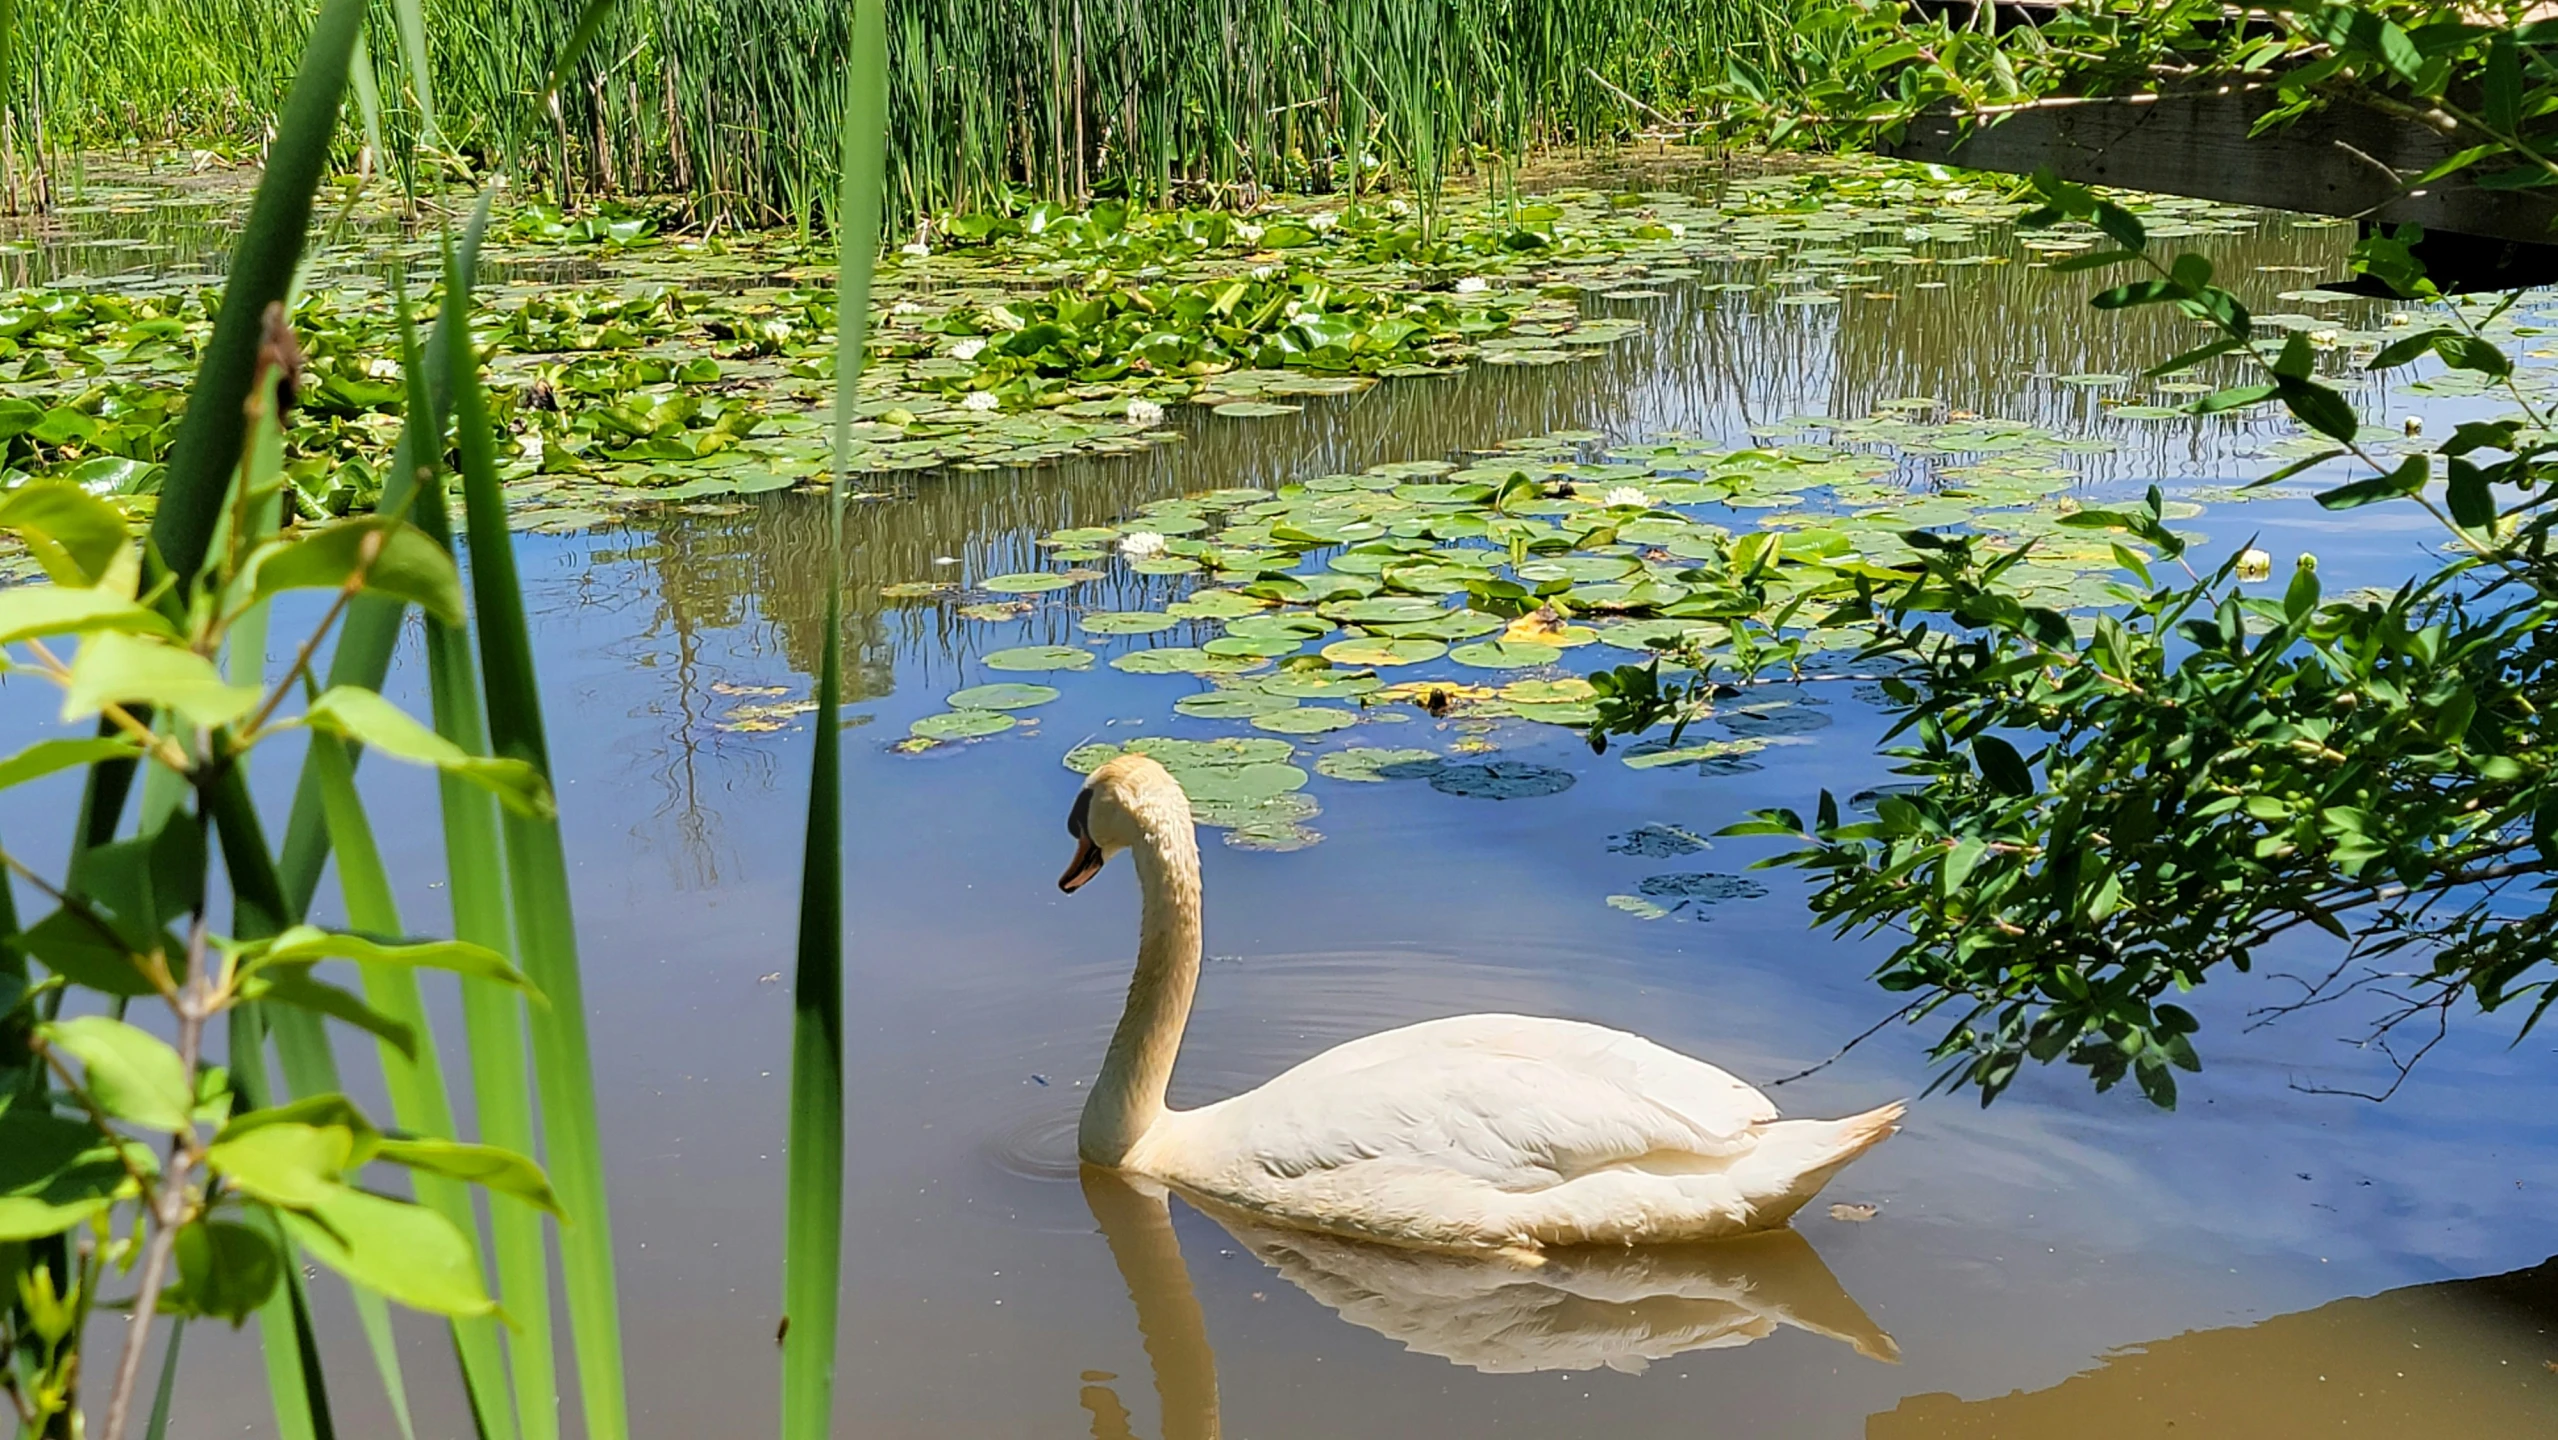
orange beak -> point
(1085, 865)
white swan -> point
(1473, 1133)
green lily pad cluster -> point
(638, 371)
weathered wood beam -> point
(2345, 160)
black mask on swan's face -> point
(1088, 855)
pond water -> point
(2061, 1263)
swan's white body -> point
(1478, 1132)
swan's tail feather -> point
(1795, 1158)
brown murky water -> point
(2267, 1261)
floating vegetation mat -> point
(1460, 602)
(637, 371)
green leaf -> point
(55, 1172)
(2093, 260)
(73, 534)
(225, 1271)
(2002, 766)
(45, 757)
(2472, 502)
(2408, 349)
(284, 1162)
(501, 1171)
(2301, 597)
(2501, 89)
(2407, 479)
(33, 611)
(2317, 407)
(1959, 862)
(2191, 358)
(72, 946)
(2468, 352)
(120, 669)
(306, 943)
(406, 1252)
(2121, 225)
(2233, 398)
(360, 715)
(394, 558)
(294, 985)
(133, 1075)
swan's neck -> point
(1129, 1097)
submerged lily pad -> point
(1501, 780)
(1654, 842)
(1694, 890)
(1039, 657)
(1254, 409)
(1008, 695)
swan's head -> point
(1118, 807)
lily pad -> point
(1232, 704)
(1699, 888)
(1254, 409)
(961, 724)
(1006, 695)
(1184, 660)
(1040, 657)
(1320, 684)
(1370, 766)
(1125, 622)
(1381, 650)
(1304, 720)
(1501, 780)
(1028, 582)
(1504, 655)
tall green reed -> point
(735, 104)
(813, 1241)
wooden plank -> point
(2346, 160)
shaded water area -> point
(2267, 1260)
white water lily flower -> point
(1322, 220)
(1678, 231)
(2255, 565)
(1145, 412)
(1472, 285)
(532, 445)
(1913, 233)
(916, 248)
(2415, 425)
(980, 400)
(1248, 234)
(1398, 208)
(1141, 544)
(1625, 495)
(2307, 561)
(1263, 272)
(905, 307)
(969, 348)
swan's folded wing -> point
(1517, 1102)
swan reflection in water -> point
(1587, 1309)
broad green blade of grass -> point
(813, 1230)
(409, 17)
(269, 249)
(492, 1016)
(416, 1087)
(294, 1383)
(545, 923)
